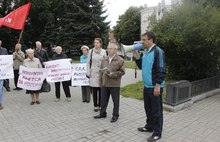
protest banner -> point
(31, 78)
(6, 67)
(79, 75)
(58, 70)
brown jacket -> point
(116, 66)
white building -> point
(176, 2)
(157, 11)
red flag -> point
(16, 19)
(1, 21)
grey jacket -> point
(18, 59)
(96, 57)
(3, 51)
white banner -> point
(31, 78)
(79, 75)
(59, 70)
(6, 67)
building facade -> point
(157, 11)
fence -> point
(204, 85)
(182, 91)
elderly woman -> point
(32, 62)
(60, 55)
(95, 57)
(85, 89)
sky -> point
(115, 8)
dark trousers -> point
(65, 88)
(96, 92)
(154, 110)
(85, 93)
(115, 94)
(16, 75)
(6, 83)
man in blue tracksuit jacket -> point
(152, 64)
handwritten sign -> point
(79, 75)
(58, 70)
(6, 67)
(31, 78)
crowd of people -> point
(105, 69)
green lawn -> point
(130, 64)
(136, 91)
(133, 90)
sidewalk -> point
(73, 121)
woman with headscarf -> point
(85, 89)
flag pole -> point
(20, 36)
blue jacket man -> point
(152, 63)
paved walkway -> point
(73, 121)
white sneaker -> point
(57, 100)
(96, 109)
(68, 99)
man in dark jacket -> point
(111, 70)
(152, 64)
(40, 53)
(60, 55)
(3, 51)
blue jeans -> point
(1, 91)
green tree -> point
(127, 29)
(67, 23)
(7, 35)
(190, 36)
(81, 22)
(214, 3)
(52, 27)
(40, 14)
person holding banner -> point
(85, 89)
(3, 51)
(111, 71)
(93, 63)
(60, 55)
(32, 62)
(1, 94)
(18, 58)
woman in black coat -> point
(60, 55)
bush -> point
(190, 37)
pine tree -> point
(8, 36)
(81, 22)
(68, 23)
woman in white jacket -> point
(95, 57)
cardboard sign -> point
(58, 70)
(79, 75)
(31, 78)
(6, 67)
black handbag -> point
(45, 87)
